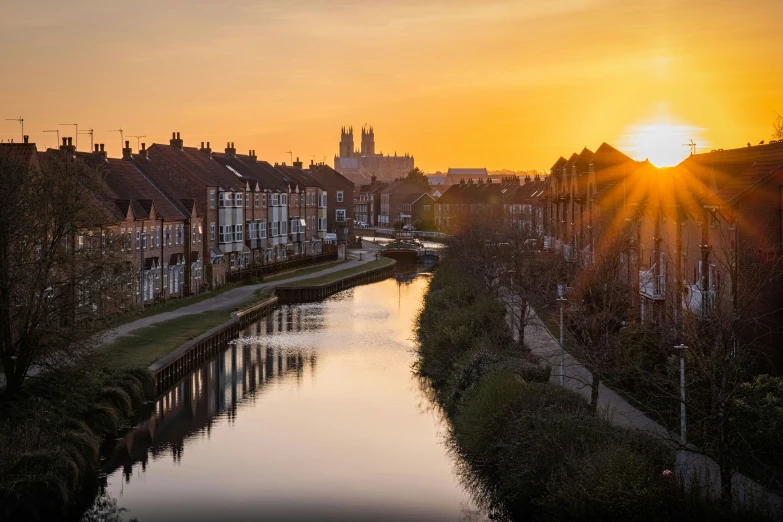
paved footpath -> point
(620, 412)
(232, 298)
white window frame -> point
(339, 195)
(283, 227)
(238, 233)
(275, 228)
(212, 231)
(221, 234)
(262, 229)
(212, 199)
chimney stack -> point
(252, 155)
(230, 148)
(206, 150)
(126, 152)
(143, 151)
(67, 146)
(297, 163)
(27, 139)
(176, 141)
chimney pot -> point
(65, 142)
(26, 139)
(202, 144)
(207, 144)
(101, 147)
(70, 141)
(96, 148)
(143, 146)
(178, 135)
(173, 135)
(127, 144)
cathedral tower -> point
(368, 141)
(346, 142)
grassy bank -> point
(334, 276)
(51, 433)
(303, 271)
(146, 345)
(530, 450)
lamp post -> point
(561, 299)
(682, 348)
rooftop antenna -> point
(138, 140)
(122, 138)
(20, 120)
(58, 136)
(76, 136)
(291, 155)
(90, 132)
(691, 146)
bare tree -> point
(58, 271)
(777, 128)
(597, 310)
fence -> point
(283, 266)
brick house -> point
(392, 195)
(339, 200)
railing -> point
(330, 254)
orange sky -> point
(493, 83)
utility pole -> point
(58, 136)
(561, 299)
(76, 133)
(138, 143)
(90, 132)
(681, 348)
(20, 120)
(122, 138)
(291, 156)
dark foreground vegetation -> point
(531, 450)
(51, 435)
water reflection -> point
(312, 414)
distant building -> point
(360, 165)
(457, 176)
(393, 195)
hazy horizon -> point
(496, 84)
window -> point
(283, 226)
(211, 199)
(257, 199)
(263, 199)
(200, 232)
(238, 199)
(222, 200)
(221, 235)
(157, 236)
(339, 214)
(232, 260)
(339, 196)
(274, 228)
(192, 233)
(239, 233)
(275, 199)
(251, 229)
(426, 208)
(293, 226)
(143, 241)
(323, 201)
(262, 229)
(284, 199)
(247, 201)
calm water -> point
(313, 415)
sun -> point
(664, 144)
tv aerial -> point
(691, 146)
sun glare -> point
(664, 144)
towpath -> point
(619, 411)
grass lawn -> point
(328, 278)
(146, 345)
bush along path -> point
(530, 450)
(51, 434)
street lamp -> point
(561, 299)
(682, 348)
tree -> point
(777, 128)
(598, 308)
(418, 176)
(58, 271)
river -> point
(314, 414)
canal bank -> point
(531, 449)
(311, 414)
